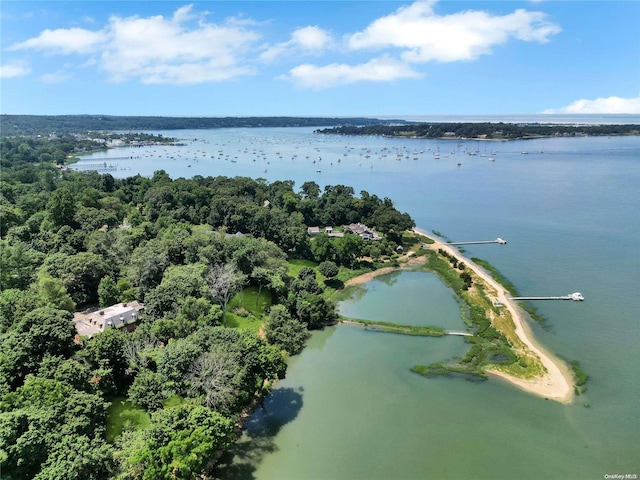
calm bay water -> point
(351, 409)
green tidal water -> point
(410, 298)
(351, 409)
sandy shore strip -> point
(366, 277)
(557, 381)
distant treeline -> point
(490, 131)
(45, 124)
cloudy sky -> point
(306, 57)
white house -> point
(120, 315)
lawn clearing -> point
(123, 412)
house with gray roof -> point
(365, 232)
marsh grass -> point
(399, 328)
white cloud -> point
(381, 69)
(183, 14)
(14, 70)
(155, 49)
(63, 41)
(424, 36)
(310, 39)
(56, 77)
(601, 105)
(186, 48)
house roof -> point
(118, 315)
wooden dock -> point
(577, 297)
(497, 240)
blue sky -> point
(342, 58)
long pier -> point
(577, 296)
(497, 240)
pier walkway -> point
(497, 240)
(577, 296)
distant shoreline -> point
(21, 125)
(483, 131)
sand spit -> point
(557, 381)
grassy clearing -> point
(298, 264)
(245, 311)
(124, 413)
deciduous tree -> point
(224, 281)
(328, 268)
(283, 330)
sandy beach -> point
(557, 382)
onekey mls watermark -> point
(621, 476)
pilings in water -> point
(577, 297)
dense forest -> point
(231, 283)
(489, 131)
(44, 124)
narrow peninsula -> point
(503, 345)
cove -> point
(350, 404)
